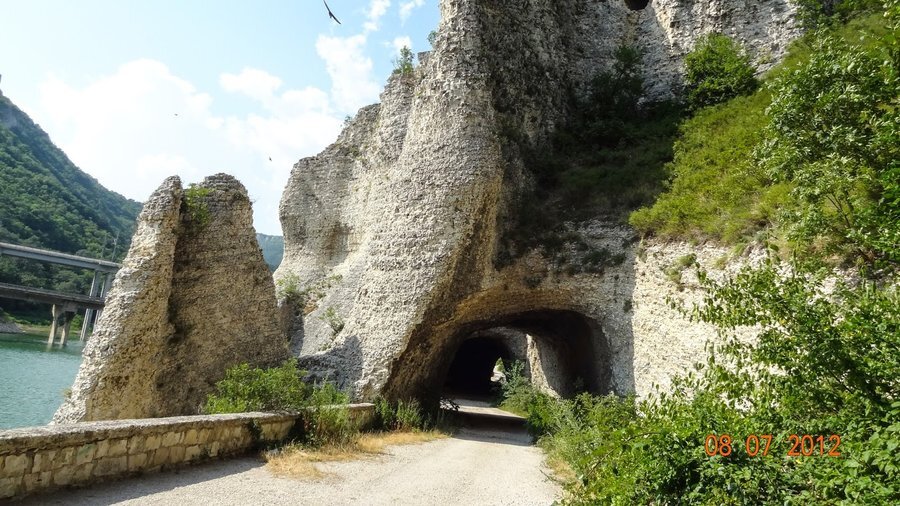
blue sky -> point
(137, 90)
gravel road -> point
(477, 466)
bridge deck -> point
(14, 250)
(49, 296)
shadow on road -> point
(144, 485)
(480, 421)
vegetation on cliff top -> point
(810, 157)
(810, 412)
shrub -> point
(402, 415)
(403, 64)
(195, 202)
(717, 70)
(833, 136)
(287, 288)
(613, 97)
(326, 419)
(410, 416)
(333, 320)
(246, 388)
(820, 367)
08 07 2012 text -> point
(761, 445)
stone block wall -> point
(38, 459)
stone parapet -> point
(38, 459)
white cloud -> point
(406, 8)
(377, 10)
(254, 83)
(141, 124)
(352, 82)
(401, 42)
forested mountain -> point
(48, 202)
(272, 248)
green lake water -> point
(33, 378)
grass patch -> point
(715, 189)
(714, 192)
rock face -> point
(9, 328)
(395, 228)
(193, 297)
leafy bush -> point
(717, 70)
(403, 64)
(833, 136)
(410, 416)
(726, 187)
(606, 161)
(520, 397)
(326, 419)
(612, 99)
(246, 388)
(402, 415)
(333, 320)
(195, 202)
(821, 366)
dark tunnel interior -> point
(637, 5)
(473, 366)
(575, 347)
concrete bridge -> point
(64, 305)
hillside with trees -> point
(48, 202)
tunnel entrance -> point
(637, 5)
(563, 353)
(471, 373)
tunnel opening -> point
(562, 352)
(472, 371)
(637, 5)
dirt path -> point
(477, 466)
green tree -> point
(612, 100)
(833, 136)
(403, 64)
(717, 70)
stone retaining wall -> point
(42, 458)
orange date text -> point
(761, 445)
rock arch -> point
(563, 347)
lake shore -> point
(10, 328)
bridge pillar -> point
(67, 324)
(88, 313)
(53, 326)
(106, 286)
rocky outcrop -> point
(395, 229)
(193, 297)
(9, 328)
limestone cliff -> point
(395, 228)
(193, 297)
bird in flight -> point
(331, 14)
